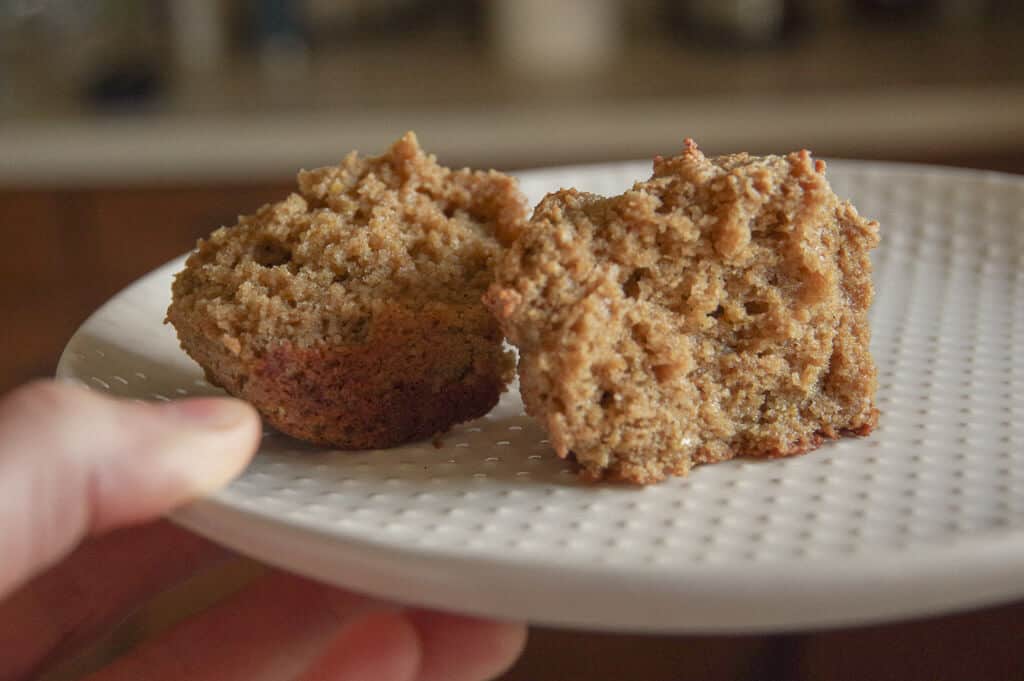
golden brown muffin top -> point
(369, 234)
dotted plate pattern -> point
(926, 515)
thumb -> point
(73, 463)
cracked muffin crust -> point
(350, 313)
(718, 309)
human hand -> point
(83, 480)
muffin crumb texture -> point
(349, 313)
(718, 309)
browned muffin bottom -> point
(718, 309)
(349, 313)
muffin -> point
(718, 309)
(350, 313)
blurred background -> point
(238, 90)
(129, 129)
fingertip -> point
(107, 463)
(379, 645)
(462, 648)
(146, 459)
(214, 439)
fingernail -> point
(213, 413)
(208, 440)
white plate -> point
(926, 515)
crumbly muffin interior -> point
(717, 309)
(372, 234)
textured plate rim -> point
(508, 588)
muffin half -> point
(718, 309)
(349, 313)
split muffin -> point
(349, 314)
(718, 309)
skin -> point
(84, 481)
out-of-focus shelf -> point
(855, 92)
(176, 147)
